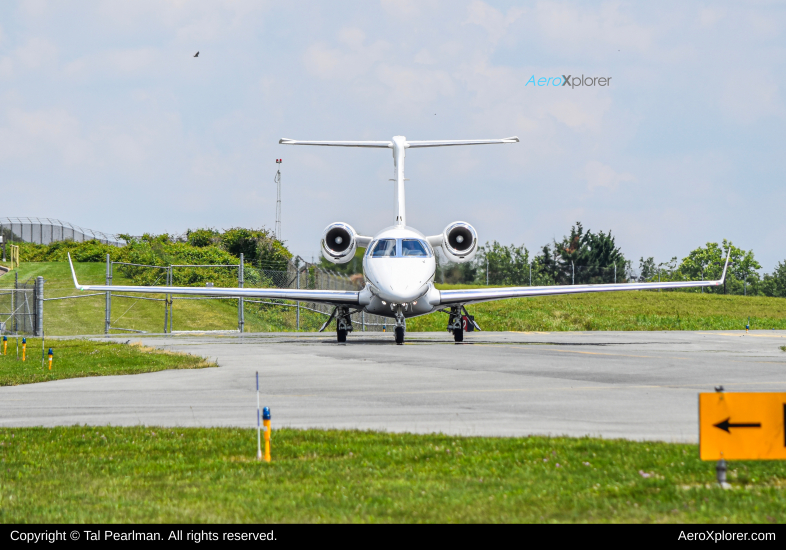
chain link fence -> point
(20, 306)
(48, 230)
(17, 307)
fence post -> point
(171, 298)
(241, 321)
(298, 302)
(108, 295)
(15, 300)
(166, 300)
(39, 306)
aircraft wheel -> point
(399, 335)
(458, 335)
(341, 335)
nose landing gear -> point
(401, 326)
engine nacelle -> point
(460, 242)
(339, 243)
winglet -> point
(723, 277)
(73, 273)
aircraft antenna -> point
(277, 179)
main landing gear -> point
(343, 323)
(458, 323)
(455, 324)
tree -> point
(258, 246)
(506, 265)
(545, 269)
(775, 284)
(588, 258)
(707, 263)
(647, 269)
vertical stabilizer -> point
(399, 152)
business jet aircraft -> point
(399, 264)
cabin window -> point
(385, 248)
(412, 247)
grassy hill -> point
(609, 311)
(635, 310)
(86, 315)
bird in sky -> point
(196, 54)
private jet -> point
(399, 264)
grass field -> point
(143, 474)
(621, 311)
(79, 358)
(86, 315)
(607, 311)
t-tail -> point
(399, 144)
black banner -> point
(106, 535)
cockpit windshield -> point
(412, 247)
(385, 248)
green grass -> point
(605, 311)
(143, 474)
(621, 311)
(783, 348)
(86, 315)
(79, 358)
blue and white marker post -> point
(259, 426)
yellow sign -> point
(742, 426)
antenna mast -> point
(277, 179)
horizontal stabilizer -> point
(383, 144)
(407, 144)
(450, 143)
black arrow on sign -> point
(725, 425)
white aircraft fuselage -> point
(402, 276)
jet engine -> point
(460, 242)
(339, 242)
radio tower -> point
(277, 179)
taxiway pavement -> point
(635, 385)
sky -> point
(108, 121)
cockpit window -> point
(412, 247)
(385, 248)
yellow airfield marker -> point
(24, 348)
(51, 355)
(742, 426)
(266, 424)
(5, 344)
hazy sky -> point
(109, 122)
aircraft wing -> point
(334, 297)
(474, 295)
